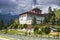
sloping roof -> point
(34, 11)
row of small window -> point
(33, 16)
(27, 21)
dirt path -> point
(3, 38)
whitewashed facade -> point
(26, 18)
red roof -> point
(34, 11)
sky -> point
(16, 7)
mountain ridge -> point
(7, 17)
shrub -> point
(46, 29)
(36, 28)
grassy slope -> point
(57, 13)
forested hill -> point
(7, 17)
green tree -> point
(52, 20)
(1, 24)
(54, 9)
(46, 29)
(6, 28)
(34, 21)
(14, 23)
(25, 25)
(50, 10)
(58, 28)
(20, 26)
(58, 22)
(36, 29)
(48, 17)
(11, 23)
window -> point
(38, 20)
(30, 15)
(38, 16)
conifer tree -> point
(34, 21)
(1, 24)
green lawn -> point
(13, 32)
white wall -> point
(28, 19)
(38, 18)
(23, 19)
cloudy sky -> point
(19, 6)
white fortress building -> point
(26, 18)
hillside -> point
(7, 17)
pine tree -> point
(1, 24)
(25, 26)
(50, 10)
(34, 21)
(52, 20)
(49, 14)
